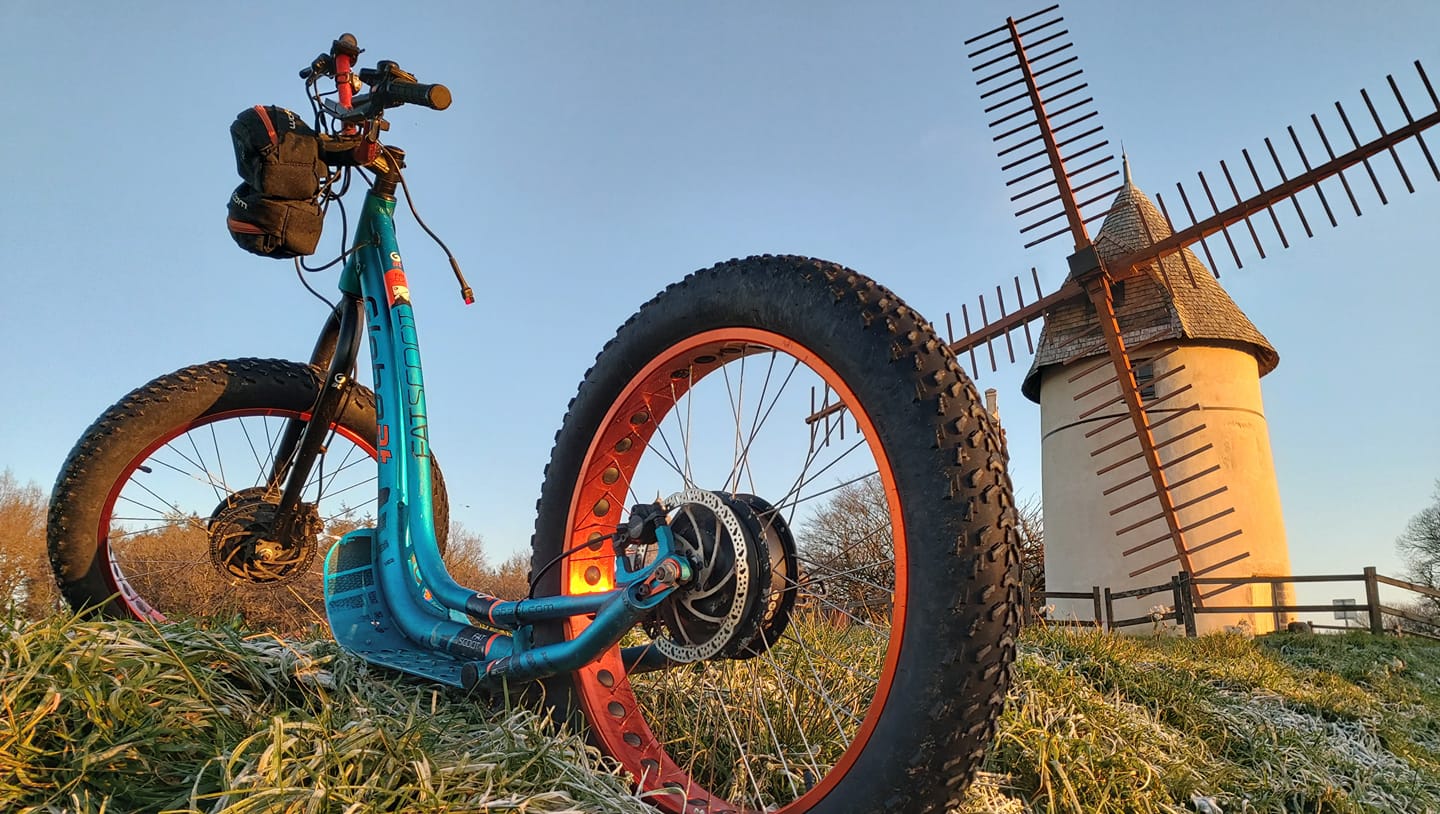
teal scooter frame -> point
(388, 594)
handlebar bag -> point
(273, 227)
(277, 154)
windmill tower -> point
(1156, 455)
(1197, 361)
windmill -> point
(1155, 455)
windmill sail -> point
(1048, 144)
(1031, 85)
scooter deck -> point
(361, 619)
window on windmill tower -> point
(1145, 378)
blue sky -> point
(596, 152)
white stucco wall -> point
(1081, 545)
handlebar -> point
(389, 85)
(392, 93)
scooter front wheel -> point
(161, 509)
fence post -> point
(1186, 606)
(1109, 608)
(1372, 600)
(1026, 612)
(1177, 605)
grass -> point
(127, 717)
(1286, 723)
(124, 717)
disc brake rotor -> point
(721, 610)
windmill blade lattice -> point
(1031, 84)
(1289, 189)
(1186, 501)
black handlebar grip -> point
(436, 97)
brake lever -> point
(323, 65)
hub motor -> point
(740, 597)
(244, 546)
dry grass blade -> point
(98, 716)
(1285, 723)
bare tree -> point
(508, 580)
(469, 565)
(1030, 525)
(847, 551)
(25, 578)
(1419, 546)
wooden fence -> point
(1183, 609)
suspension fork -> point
(336, 349)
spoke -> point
(203, 468)
(689, 423)
(869, 625)
(178, 470)
(177, 567)
(725, 709)
(832, 706)
(795, 718)
(682, 425)
(116, 535)
(634, 498)
(355, 485)
(672, 460)
(170, 562)
(832, 660)
(795, 491)
(801, 481)
(268, 468)
(319, 480)
(345, 463)
(219, 460)
(209, 479)
(814, 689)
(260, 464)
(174, 510)
(770, 725)
(810, 456)
(846, 575)
(737, 401)
(741, 464)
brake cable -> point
(465, 291)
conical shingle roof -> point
(1179, 299)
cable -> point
(535, 580)
(299, 272)
(465, 290)
(339, 200)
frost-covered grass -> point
(1285, 723)
(127, 717)
(124, 717)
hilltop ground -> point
(124, 717)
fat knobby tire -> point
(949, 467)
(131, 425)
